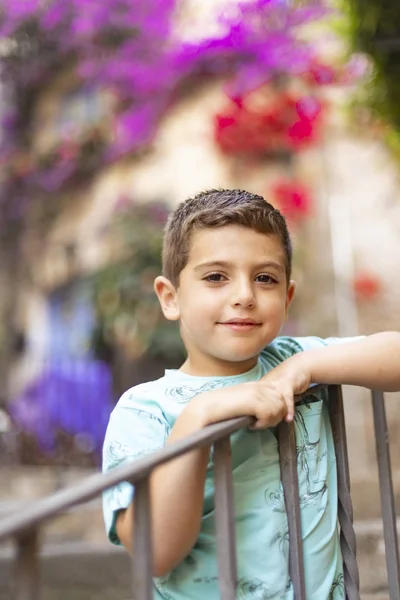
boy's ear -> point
(167, 297)
(290, 294)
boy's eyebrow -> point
(224, 264)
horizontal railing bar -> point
(94, 485)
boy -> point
(226, 279)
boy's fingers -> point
(290, 407)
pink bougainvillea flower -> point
(133, 48)
(279, 122)
(293, 198)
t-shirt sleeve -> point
(132, 433)
(284, 347)
(313, 343)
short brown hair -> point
(216, 208)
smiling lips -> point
(240, 324)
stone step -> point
(371, 557)
(78, 539)
(77, 571)
(82, 529)
(81, 523)
(86, 570)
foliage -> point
(128, 312)
(130, 48)
(373, 27)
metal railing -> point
(25, 526)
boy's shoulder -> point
(143, 390)
(284, 346)
(137, 426)
(146, 396)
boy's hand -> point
(291, 377)
(269, 400)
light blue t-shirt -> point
(141, 423)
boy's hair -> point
(216, 208)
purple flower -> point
(131, 47)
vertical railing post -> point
(387, 496)
(142, 561)
(289, 478)
(345, 506)
(27, 576)
(225, 519)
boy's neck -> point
(215, 368)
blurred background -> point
(111, 114)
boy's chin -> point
(236, 358)
(240, 354)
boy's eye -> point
(264, 278)
(214, 277)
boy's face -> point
(232, 299)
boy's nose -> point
(244, 295)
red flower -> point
(301, 132)
(293, 199)
(306, 129)
(367, 286)
(284, 123)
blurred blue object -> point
(71, 396)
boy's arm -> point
(177, 488)
(372, 362)
(177, 492)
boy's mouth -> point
(240, 324)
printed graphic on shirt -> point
(184, 572)
(281, 541)
(116, 453)
(146, 434)
(337, 591)
(307, 451)
(255, 589)
(184, 393)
